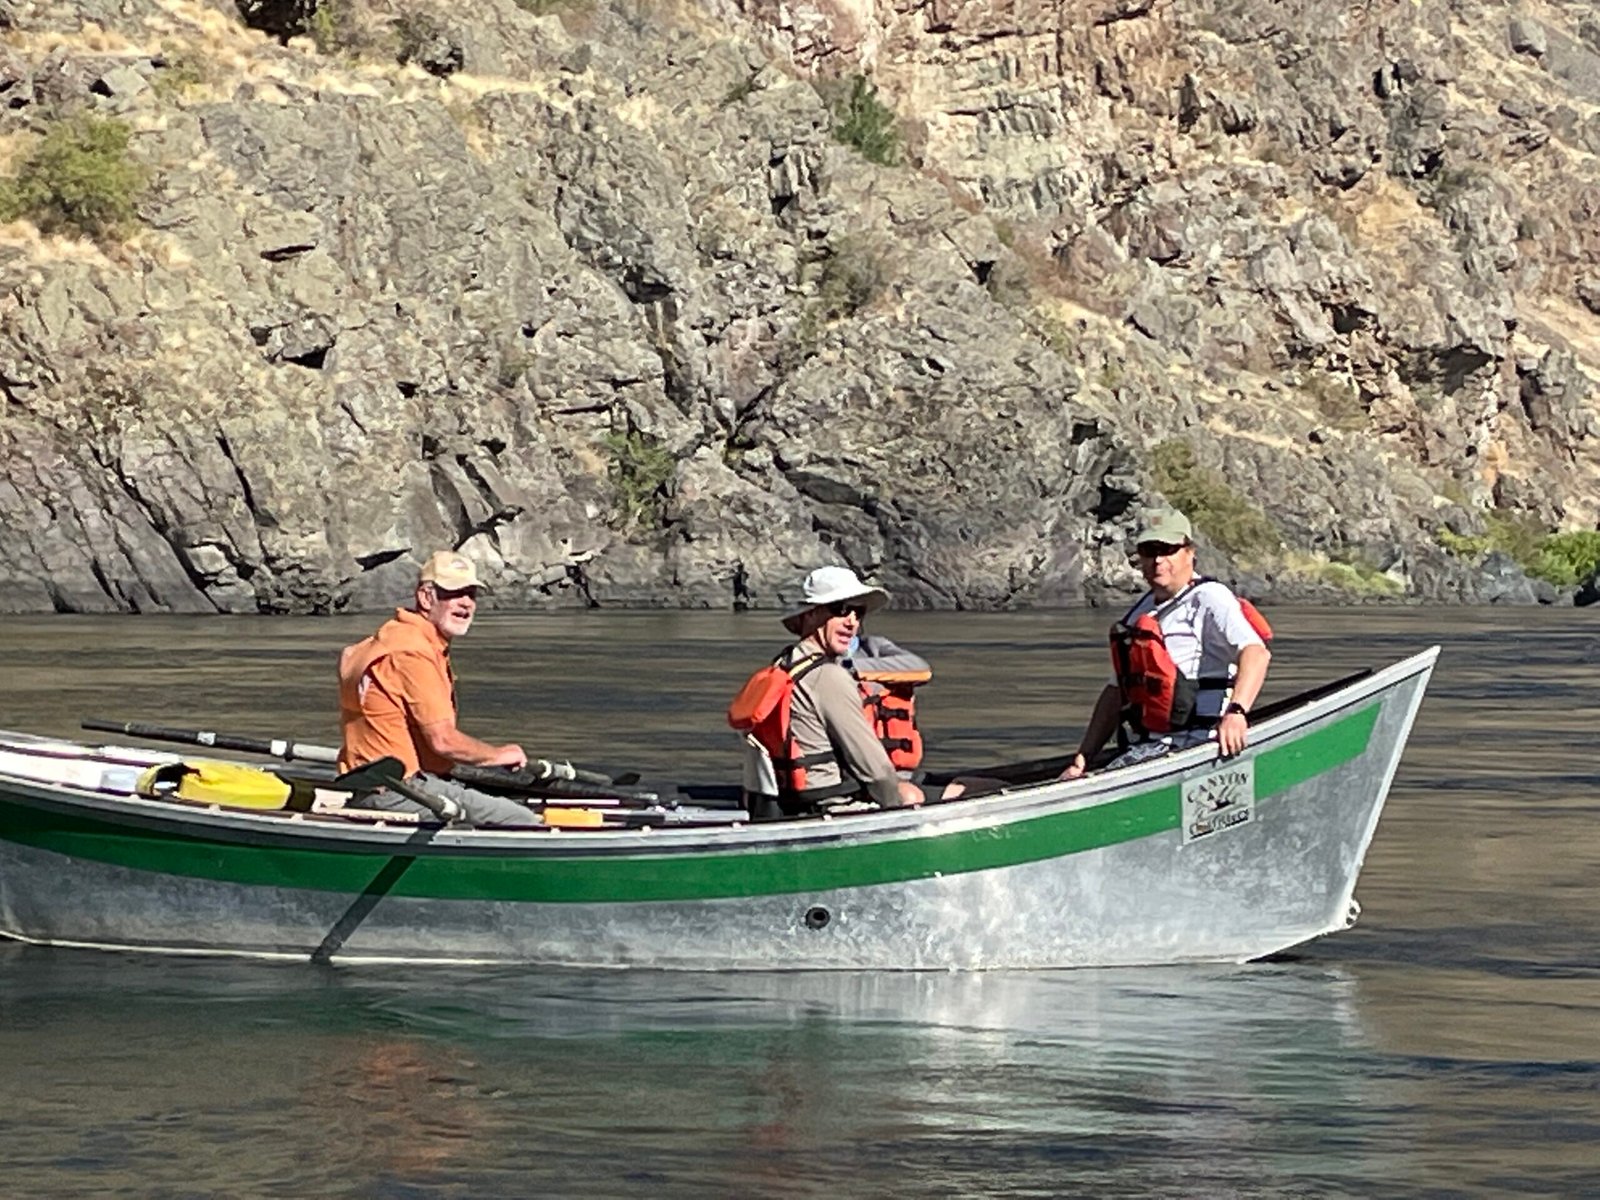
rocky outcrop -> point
(594, 291)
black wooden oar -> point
(526, 781)
(538, 771)
(391, 773)
(275, 748)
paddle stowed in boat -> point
(539, 771)
(533, 780)
(391, 773)
(273, 747)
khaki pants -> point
(479, 808)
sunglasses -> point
(840, 608)
(1160, 549)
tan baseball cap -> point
(449, 571)
(1167, 527)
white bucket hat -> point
(833, 585)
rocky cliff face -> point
(595, 291)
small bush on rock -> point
(1567, 559)
(863, 121)
(1563, 559)
(80, 176)
(335, 27)
(1512, 535)
(179, 73)
(1357, 577)
(1216, 509)
(851, 277)
(641, 467)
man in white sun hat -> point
(805, 710)
(397, 698)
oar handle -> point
(541, 769)
(275, 747)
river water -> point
(1449, 1045)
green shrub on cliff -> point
(863, 121)
(1216, 510)
(79, 176)
(851, 277)
(1358, 577)
(1564, 559)
(641, 467)
(335, 26)
(1567, 559)
(179, 73)
(1514, 536)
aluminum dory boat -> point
(1184, 859)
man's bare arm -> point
(1102, 724)
(445, 740)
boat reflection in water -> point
(216, 1077)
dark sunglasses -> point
(840, 607)
(1160, 549)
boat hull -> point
(1182, 859)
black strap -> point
(820, 759)
(801, 667)
(1160, 610)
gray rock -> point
(615, 313)
(120, 83)
(1588, 290)
(1527, 36)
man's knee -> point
(481, 808)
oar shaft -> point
(277, 748)
(532, 780)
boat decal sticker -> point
(1218, 800)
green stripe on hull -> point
(690, 876)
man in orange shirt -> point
(397, 699)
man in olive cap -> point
(397, 698)
(1190, 658)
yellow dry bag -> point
(206, 781)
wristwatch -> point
(1235, 707)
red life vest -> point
(761, 709)
(892, 710)
(1157, 697)
(889, 677)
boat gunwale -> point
(328, 832)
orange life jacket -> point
(761, 710)
(889, 678)
(1157, 697)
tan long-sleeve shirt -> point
(826, 714)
